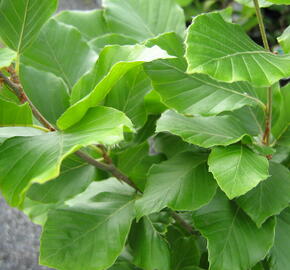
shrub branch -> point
(18, 90)
(268, 122)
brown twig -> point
(18, 90)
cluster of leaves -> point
(179, 115)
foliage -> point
(139, 144)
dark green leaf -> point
(182, 183)
(90, 232)
(150, 250)
(270, 197)
(234, 241)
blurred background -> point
(19, 238)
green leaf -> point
(128, 95)
(171, 145)
(194, 94)
(279, 255)
(8, 132)
(37, 159)
(284, 40)
(149, 248)
(70, 182)
(135, 163)
(91, 231)
(250, 3)
(202, 131)
(91, 23)
(181, 183)
(228, 59)
(99, 43)
(75, 176)
(12, 114)
(237, 169)
(66, 61)
(280, 2)
(270, 197)
(37, 211)
(99, 82)
(21, 20)
(185, 253)
(234, 241)
(6, 57)
(138, 18)
(47, 92)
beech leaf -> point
(37, 159)
(237, 169)
(214, 47)
(226, 226)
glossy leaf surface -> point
(237, 169)
(104, 77)
(202, 131)
(228, 59)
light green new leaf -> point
(89, 233)
(100, 42)
(12, 114)
(284, 40)
(237, 169)
(114, 62)
(21, 21)
(224, 51)
(150, 250)
(234, 241)
(279, 254)
(38, 159)
(182, 183)
(91, 23)
(6, 57)
(47, 92)
(197, 93)
(144, 19)
(202, 131)
(280, 2)
(69, 61)
(270, 197)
